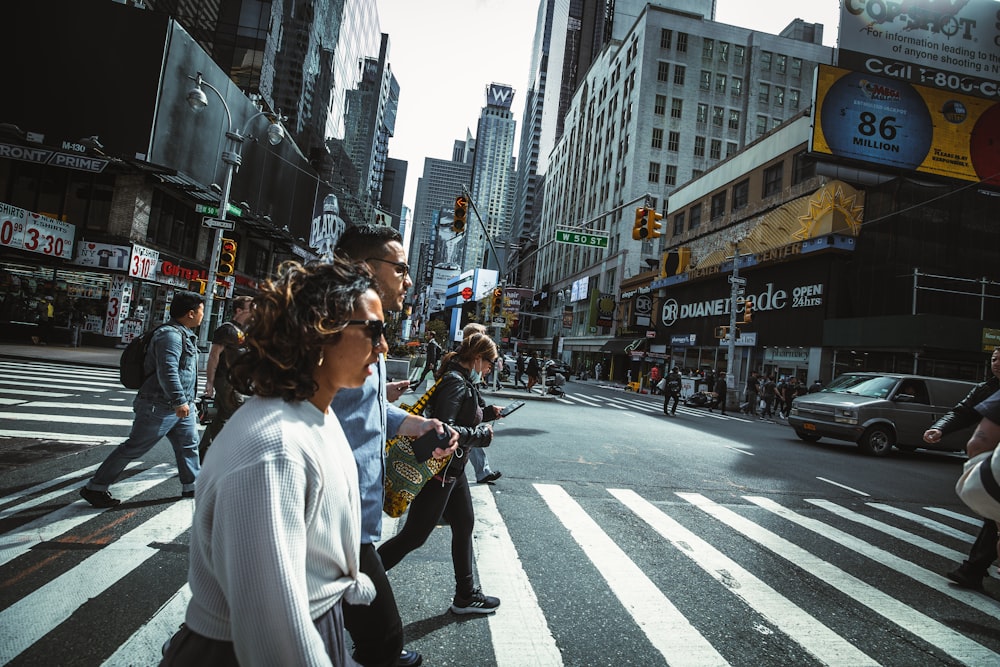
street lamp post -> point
(232, 158)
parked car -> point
(880, 411)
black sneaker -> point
(187, 494)
(99, 498)
(476, 603)
(409, 659)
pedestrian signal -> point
(461, 211)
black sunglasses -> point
(376, 328)
(402, 268)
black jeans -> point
(453, 502)
(376, 629)
(984, 550)
(666, 402)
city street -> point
(616, 536)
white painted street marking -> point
(664, 625)
(847, 488)
(964, 518)
(146, 645)
(79, 406)
(61, 437)
(924, 521)
(53, 384)
(64, 419)
(37, 394)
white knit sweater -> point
(276, 533)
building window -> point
(803, 168)
(670, 175)
(715, 149)
(796, 67)
(741, 194)
(660, 106)
(793, 99)
(676, 107)
(718, 113)
(696, 173)
(730, 148)
(699, 146)
(761, 125)
(779, 96)
(765, 61)
(706, 80)
(707, 48)
(679, 224)
(666, 38)
(736, 87)
(682, 42)
(772, 179)
(654, 172)
(739, 54)
(723, 52)
(734, 119)
(702, 117)
(781, 63)
(674, 141)
(663, 71)
(679, 71)
(764, 93)
(720, 84)
(657, 138)
(695, 220)
(718, 205)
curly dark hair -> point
(295, 314)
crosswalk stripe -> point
(628, 405)
(63, 437)
(38, 394)
(924, 521)
(35, 615)
(79, 406)
(55, 384)
(83, 371)
(667, 629)
(964, 518)
(37, 377)
(885, 528)
(581, 399)
(64, 419)
(52, 495)
(147, 643)
(47, 484)
(520, 633)
(941, 636)
(54, 524)
(816, 638)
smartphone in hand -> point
(511, 408)
(424, 446)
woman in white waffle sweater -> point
(277, 521)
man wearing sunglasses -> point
(368, 419)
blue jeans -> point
(152, 422)
(480, 463)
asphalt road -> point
(616, 536)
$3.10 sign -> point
(35, 233)
(143, 262)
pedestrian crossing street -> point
(835, 602)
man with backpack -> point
(672, 391)
(164, 404)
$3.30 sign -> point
(35, 233)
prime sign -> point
(802, 296)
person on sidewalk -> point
(276, 532)
(533, 369)
(720, 389)
(519, 370)
(672, 392)
(458, 403)
(432, 357)
(477, 455)
(228, 343)
(971, 572)
(164, 404)
(369, 418)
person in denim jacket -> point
(164, 405)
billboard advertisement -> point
(952, 45)
(895, 124)
(499, 95)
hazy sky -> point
(445, 53)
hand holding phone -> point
(511, 408)
(424, 446)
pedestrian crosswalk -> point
(811, 580)
(591, 396)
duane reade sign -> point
(770, 298)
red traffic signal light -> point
(747, 311)
(640, 230)
(227, 258)
(461, 211)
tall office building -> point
(442, 181)
(494, 179)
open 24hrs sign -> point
(34, 232)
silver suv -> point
(879, 411)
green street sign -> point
(214, 210)
(579, 238)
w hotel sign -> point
(499, 95)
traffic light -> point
(227, 258)
(496, 308)
(461, 210)
(640, 230)
(197, 285)
(721, 332)
(652, 224)
(747, 311)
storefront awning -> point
(618, 345)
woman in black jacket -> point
(984, 551)
(457, 403)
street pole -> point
(232, 159)
(733, 294)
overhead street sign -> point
(214, 210)
(579, 238)
(737, 281)
(216, 223)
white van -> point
(880, 410)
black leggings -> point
(452, 501)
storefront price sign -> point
(12, 226)
(119, 300)
(35, 233)
(143, 262)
